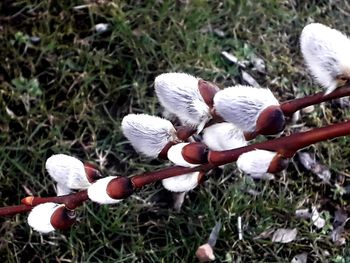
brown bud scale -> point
(270, 121)
(195, 153)
(63, 218)
(120, 188)
(278, 164)
(207, 90)
(92, 173)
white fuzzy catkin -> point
(179, 94)
(256, 163)
(68, 172)
(327, 54)
(148, 134)
(241, 105)
(181, 183)
(97, 192)
(40, 217)
(223, 136)
(184, 182)
(174, 155)
(62, 189)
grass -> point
(68, 92)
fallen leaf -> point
(264, 176)
(178, 199)
(340, 217)
(284, 235)
(101, 27)
(303, 213)
(213, 237)
(205, 253)
(300, 258)
(258, 64)
(316, 218)
(308, 109)
(232, 59)
(249, 79)
(309, 162)
(339, 232)
(306, 160)
(265, 234)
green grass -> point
(68, 93)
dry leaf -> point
(205, 253)
(296, 117)
(249, 79)
(213, 237)
(300, 258)
(316, 218)
(339, 232)
(308, 109)
(178, 200)
(265, 234)
(309, 162)
(284, 235)
(303, 213)
(101, 27)
(259, 64)
(232, 59)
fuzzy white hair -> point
(223, 136)
(256, 163)
(179, 94)
(62, 189)
(175, 155)
(148, 134)
(326, 52)
(68, 172)
(40, 217)
(241, 105)
(97, 192)
(181, 183)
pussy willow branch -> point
(75, 200)
(285, 146)
(288, 108)
(291, 106)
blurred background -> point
(69, 72)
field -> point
(64, 88)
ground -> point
(64, 88)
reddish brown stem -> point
(286, 146)
(141, 180)
(13, 210)
(291, 106)
(71, 201)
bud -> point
(70, 173)
(148, 134)
(223, 136)
(98, 192)
(195, 153)
(63, 218)
(327, 54)
(47, 217)
(207, 91)
(249, 108)
(175, 155)
(179, 94)
(181, 183)
(256, 163)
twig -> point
(285, 146)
